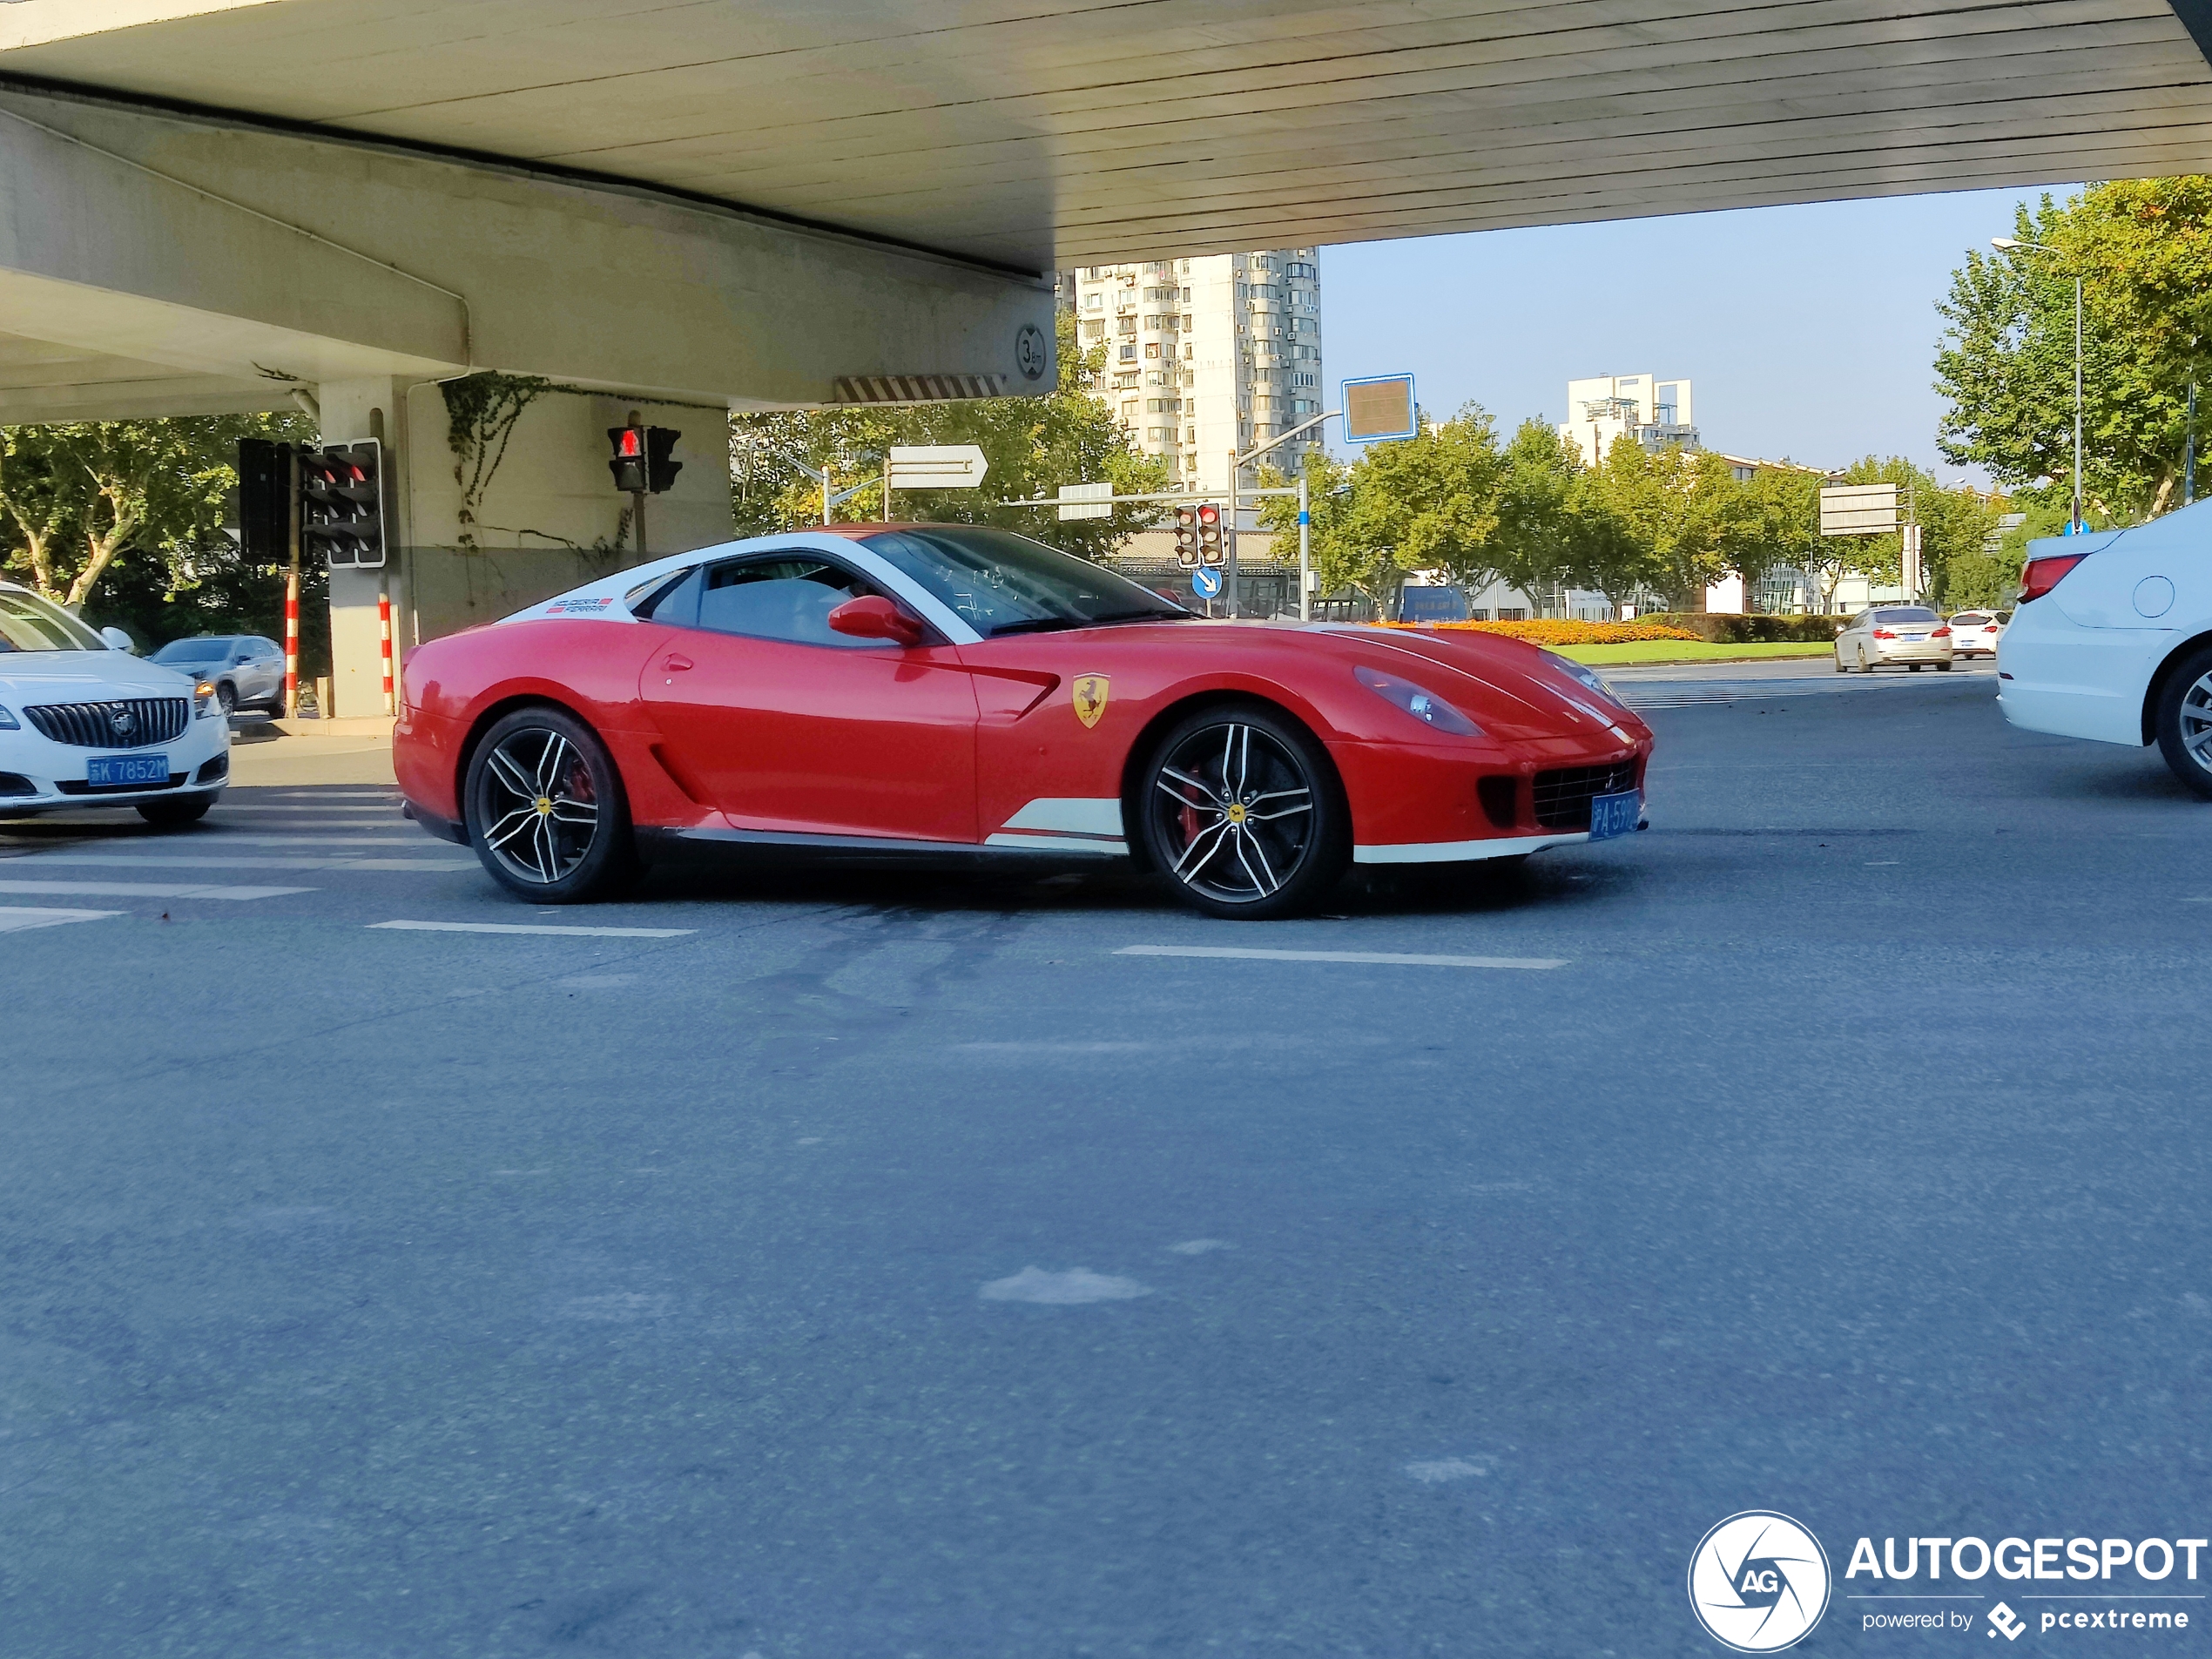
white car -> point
(83, 722)
(2112, 640)
(1975, 633)
(1909, 636)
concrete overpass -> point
(706, 205)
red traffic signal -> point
(1210, 534)
(628, 461)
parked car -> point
(911, 694)
(1974, 633)
(1908, 636)
(246, 670)
(83, 722)
(2113, 640)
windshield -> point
(194, 650)
(1004, 584)
(28, 622)
(1903, 613)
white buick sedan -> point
(83, 722)
(2113, 640)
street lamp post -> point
(1236, 464)
(2012, 244)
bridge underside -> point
(1052, 132)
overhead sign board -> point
(1377, 407)
(1858, 510)
(936, 466)
(1086, 501)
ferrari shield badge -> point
(1090, 697)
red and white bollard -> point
(384, 635)
(292, 649)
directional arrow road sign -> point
(937, 466)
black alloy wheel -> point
(2183, 721)
(1243, 814)
(546, 810)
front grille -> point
(78, 786)
(1564, 798)
(92, 725)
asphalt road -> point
(884, 1267)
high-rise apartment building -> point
(1653, 412)
(1208, 356)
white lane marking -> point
(162, 860)
(389, 808)
(241, 839)
(1077, 1285)
(532, 927)
(15, 919)
(150, 889)
(1200, 1246)
(1387, 957)
(378, 822)
(1447, 1468)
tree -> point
(1683, 508)
(2143, 250)
(79, 496)
(1428, 503)
(1033, 444)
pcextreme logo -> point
(1758, 1581)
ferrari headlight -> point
(203, 700)
(1589, 675)
(1424, 705)
(8, 721)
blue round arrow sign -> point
(1205, 582)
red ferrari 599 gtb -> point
(904, 693)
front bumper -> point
(38, 775)
(1426, 805)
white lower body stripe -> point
(1501, 846)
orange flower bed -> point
(1554, 630)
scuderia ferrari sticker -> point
(1090, 697)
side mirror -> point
(876, 617)
(117, 640)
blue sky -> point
(1807, 332)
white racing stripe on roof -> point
(529, 928)
(1383, 957)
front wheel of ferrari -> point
(1243, 814)
(546, 812)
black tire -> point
(2183, 721)
(176, 814)
(568, 841)
(226, 695)
(1943, 668)
(1840, 668)
(1199, 793)
(1915, 667)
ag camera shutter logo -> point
(1758, 1581)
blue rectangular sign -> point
(1379, 407)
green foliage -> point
(2143, 251)
(480, 413)
(78, 497)
(1034, 445)
(1422, 503)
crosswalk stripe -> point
(150, 889)
(164, 860)
(15, 919)
(1385, 958)
(529, 928)
(306, 807)
(240, 838)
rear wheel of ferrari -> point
(546, 812)
(1243, 814)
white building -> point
(1208, 356)
(1653, 412)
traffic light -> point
(341, 504)
(1186, 537)
(660, 470)
(643, 462)
(1210, 534)
(628, 463)
(263, 501)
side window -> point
(264, 647)
(775, 596)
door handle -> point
(675, 662)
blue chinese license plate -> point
(126, 769)
(1612, 815)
